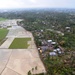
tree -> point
(36, 68)
(29, 73)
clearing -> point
(3, 33)
(20, 43)
(18, 60)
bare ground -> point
(19, 61)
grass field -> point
(3, 33)
(20, 43)
(2, 19)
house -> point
(44, 43)
(52, 53)
(58, 50)
(41, 30)
(67, 27)
(44, 48)
(38, 48)
(53, 43)
(49, 41)
(55, 50)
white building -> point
(49, 41)
(53, 43)
(52, 54)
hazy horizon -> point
(13, 4)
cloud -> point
(33, 1)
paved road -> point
(19, 61)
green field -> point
(3, 33)
(20, 43)
(2, 19)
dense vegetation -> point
(55, 65)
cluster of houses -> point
(49, 45)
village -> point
(54, 39)
(49, 46)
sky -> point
(37, 4)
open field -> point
(3, 33)
(20, 43)
(2, 19)
(19, 61)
